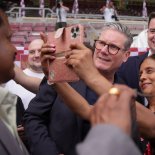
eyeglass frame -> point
(118, 48)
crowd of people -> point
(110, 110)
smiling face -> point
(103, 60)
(7, 52)
(151, 35)
(34, 55)
(147, 76)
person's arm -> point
(32, 83)
(36, 121)
(66, 8)
(111, 120)
(36, 118)
(28, 82)
(102, 9)
(145, 118)
(73, 100)
(88, 72)
(80, 58)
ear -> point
(126, 55)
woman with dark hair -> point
(147, 85)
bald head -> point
(37, 43)
(34, 55)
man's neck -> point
(151, 52)
(151, 101)
(36, 70)
(108, 75)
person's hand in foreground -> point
(115, 108)
(47, 54)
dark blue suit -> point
(51, 127)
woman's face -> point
(147, 76)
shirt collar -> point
(8, 109)
(150, 53)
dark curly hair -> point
(3, 17)
(151, 16)
(149, 57)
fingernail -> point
(52, 45)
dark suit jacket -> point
(51, 127)
(19, 111)
(129, 72)
(8, 144)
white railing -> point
(18, 10)
(47, 12)
(92, 21)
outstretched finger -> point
(79, 46)
(43, 37)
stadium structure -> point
(28, 27)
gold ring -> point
(114, 91)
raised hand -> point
(115, 108)
(81, 59)
(47, 53)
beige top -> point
(8, 112)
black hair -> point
(149, 57)
(152, 56)
(1, 20)
(2, 16)
(151, 16)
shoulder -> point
(118, 79)
(28, 71)
(133, 60)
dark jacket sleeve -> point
(19, 111)
(36, 121)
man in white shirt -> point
(61, 12)
(108, 12)
(34, 69)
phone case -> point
(62, 38)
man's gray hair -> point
(121, 28)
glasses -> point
(112, 49)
